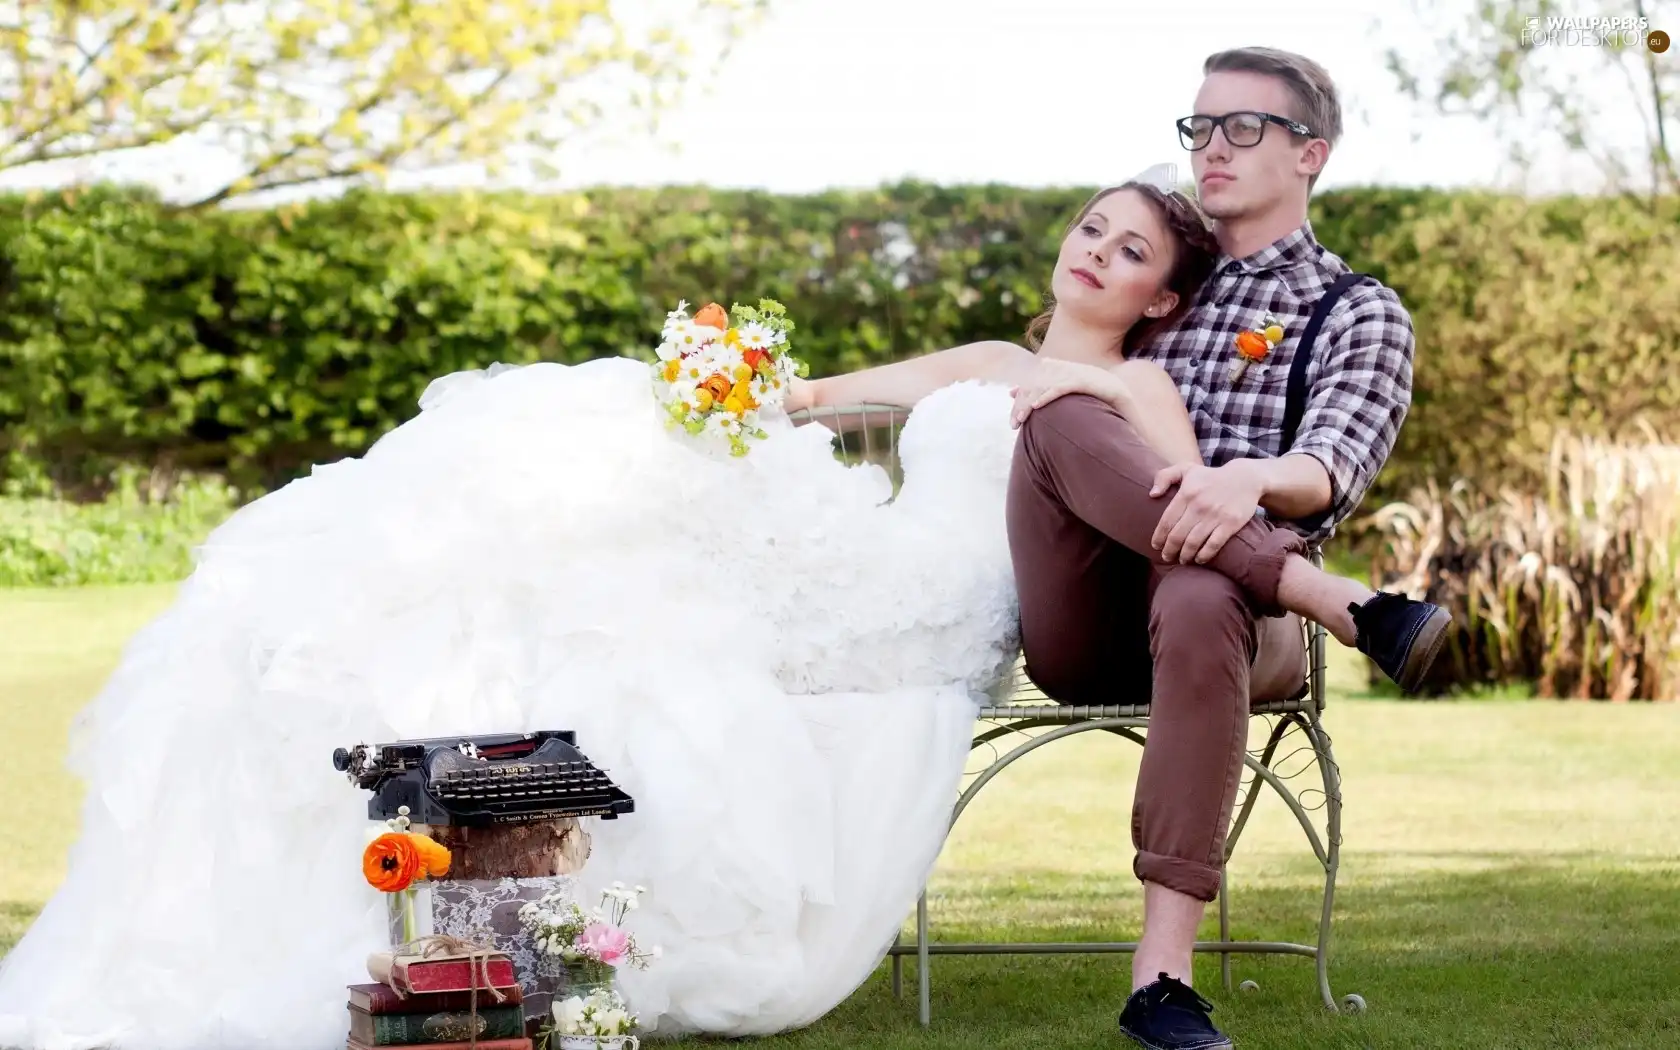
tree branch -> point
(384, 158)
(87, 98)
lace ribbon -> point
(478, 965)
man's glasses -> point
(1240, 129)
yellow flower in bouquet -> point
(719, 369)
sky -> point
(855, 93)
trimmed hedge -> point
(139, 533)
(253, 343)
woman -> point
(1154, 250)
(779, 665)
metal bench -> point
(1026, 720)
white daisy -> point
(755, 336)
(681, 334)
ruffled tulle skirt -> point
(777, 660)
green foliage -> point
(1533, 319)
(253, 343)
(136, 534)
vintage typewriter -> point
(484, 780)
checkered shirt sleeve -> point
(1359, 391)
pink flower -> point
(607, 943)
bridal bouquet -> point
(717, 369)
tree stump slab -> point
(516, 851)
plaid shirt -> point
(1359, 382)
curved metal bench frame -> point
(869, 433)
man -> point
(1264, 125)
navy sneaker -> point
(1169, 1015)
(1403, 636)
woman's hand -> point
(1052, 378)
(801, 395)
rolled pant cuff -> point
(1177, 874)
(1265, 569)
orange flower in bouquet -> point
(717, 384)
(712, 316)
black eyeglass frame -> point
(1186, 136)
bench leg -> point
(922, 975)
(898, 969)
(1224, 927)
(1326, 756)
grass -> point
(1509, 875)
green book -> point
(436, 1026)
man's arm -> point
(1355, 406)
(1290, 487)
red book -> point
(383, 999)
(441, 973)
(483, 1044)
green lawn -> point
(1510, 876)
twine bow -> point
(478, 965)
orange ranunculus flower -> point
(712, 316)
(390, 863)
(717, 385)
(434, 855)
(753, 357)
(1253, 345)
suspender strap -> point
(1295, 397)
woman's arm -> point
(1142, 394)
(903, 383)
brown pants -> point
(1101, 616)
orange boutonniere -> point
(1255, 344)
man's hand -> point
(1211, 506)
(1052, 378)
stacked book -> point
(432, 1003)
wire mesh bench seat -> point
(1022, 719)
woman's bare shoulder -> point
(1004, 346)
(1001, 352)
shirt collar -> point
(1296, 246)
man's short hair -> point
(1316, 102)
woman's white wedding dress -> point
(779, 665)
